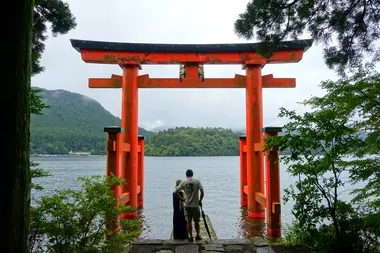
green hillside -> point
(72, 123)
(188, 141)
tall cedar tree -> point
(56, 13)
(15, 112)
(353, 24)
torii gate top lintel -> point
(148, 53)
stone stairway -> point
(183, 246)
(255, 245)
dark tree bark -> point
(15, 113)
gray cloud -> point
(171, 21)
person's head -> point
(189, 173)
(177, 182)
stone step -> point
(187, 249)
(183, 246)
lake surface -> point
(219, 175)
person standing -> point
(192, 201)
(179, 221)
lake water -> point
(219, 175)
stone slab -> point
(234, 248)
(231, 241)
(165, 251)
(259, 242)
(163, 247)
(143, 250)
(214, 247)
(127, 249)
(206, 251)
(142, 241)
(265, 250)
(161, 242)
(187, 249)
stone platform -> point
(183, 246)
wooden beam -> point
(276, 208)
(237, 82)
(146, 82)
(126, 147)
(261, 198)
(104, 83)
(245, 189)
(258, 147)
(120, 57)
(123, 198)
(269, 81)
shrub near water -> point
(76, 220)
(347, 162)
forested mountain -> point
(72, 123)
(188, 141)
(75, 123)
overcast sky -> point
(173, 21)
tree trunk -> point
(15, 118)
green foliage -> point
(36, 103)
(188, 141)
(56, 14)
(319, 176)
(323, 219)
(358, 97)
(355, 25)
(360, 233)
(78, 220)
(72, 122)
(36, 172)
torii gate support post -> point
(243, 172)
(140, 199)
(273, 196)
(129, 122)
(254, 124)
(111, 165)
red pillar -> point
(111, 164)
(140, 200)
(129, 122)
(273, 209)
(120, 162)
(243, 172)
(254, 123)
(111, 156)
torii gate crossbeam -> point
(125, 150)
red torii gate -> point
(125, 149)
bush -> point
(359, 228)
(76, 220)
